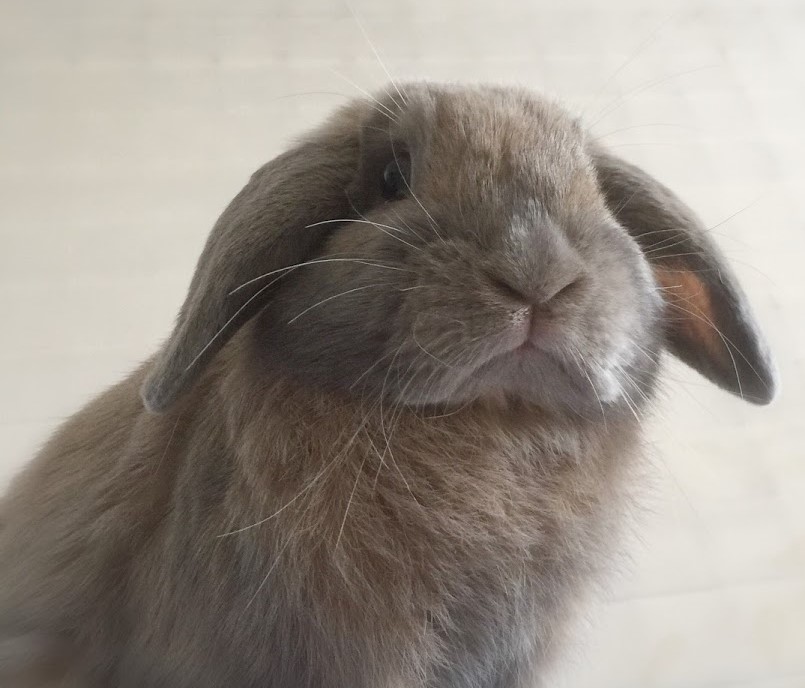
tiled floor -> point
(125, 127)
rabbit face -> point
(478, 260)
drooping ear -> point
(264, 229)
(708, 321)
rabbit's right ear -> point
(708, 322)
(263, 230)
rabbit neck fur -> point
(426, 548)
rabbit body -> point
(444, 551)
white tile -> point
(19, 441)
(720, 636)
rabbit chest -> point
(412, 551)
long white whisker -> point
(377, 55)
(725, 341)
(619, 102)
(433, 222)
(349, 502)
(664, 244)
(383, 228)
(407, 226)
(377, 362)
(387, 434)
(335, 296)
(316, 261)
(311, 483)
(669, 125)
(380, 464)
(637, 51)
(416, 341)
(630, 403)
(225, 325)
(270, 571)
(578, 359)
(388, 112)
(276, 513)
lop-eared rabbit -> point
(389, 440)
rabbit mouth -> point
(556, 358)
(546, 372)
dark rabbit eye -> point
(396, 177)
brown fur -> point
(284, 522)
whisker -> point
(167, 446)
(416, 341)
(276, 513)
(725, 341)
(630, 403)
(407, 226)
(433, 222)
(349, 502)
(616, 212)
(661, 231)
(270, 571)
(635, 385)
(371, 367)
(383, 228)
(633, 144)
(430, 382)
(377, 55)
(643, 351)
(387, 437)
(664, 244)
(682, 255)
(285, 271)
(735, 214)
(298, 94)
(380, 464)
(225, 325)
(396, 353)
(644, 126)
(583, 368)
(619, 102)
(317, 261)
(635, 54)
(335, 296)
(311, 483)
(386, 111)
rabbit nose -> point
(538, 318)
(540, 300)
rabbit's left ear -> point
(708, 321)
(270, 227)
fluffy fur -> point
(387, 441)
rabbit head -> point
(449, 244)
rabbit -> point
(391, 438)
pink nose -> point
(539, 307)
(537, 319)
(542, 298)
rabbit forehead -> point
(495, 128)
(492, 147)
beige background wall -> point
(125, 127)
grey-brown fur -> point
(377, 491)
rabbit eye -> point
(396, 177)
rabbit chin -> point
(538, 377)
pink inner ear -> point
(690, 310)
